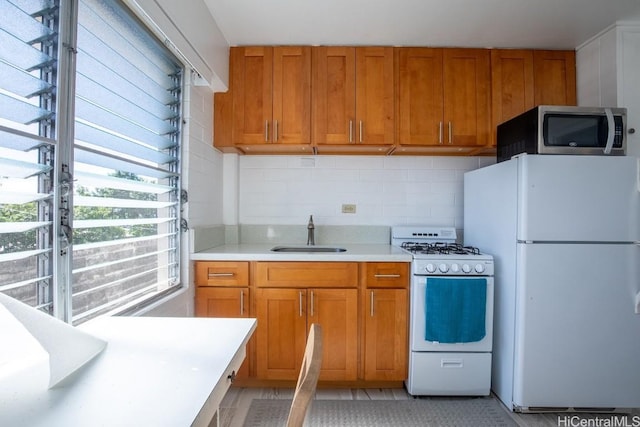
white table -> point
(154, 372)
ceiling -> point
(550, 24)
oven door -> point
(424, 321)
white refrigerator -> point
(564, 233)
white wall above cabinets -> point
(607, 75)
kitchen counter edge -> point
(262, 252)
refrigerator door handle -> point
(638, 303)
(612, 131)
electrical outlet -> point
(348, 208)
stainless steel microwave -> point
(553, 129)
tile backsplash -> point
(385, 190)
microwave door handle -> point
(612, 130)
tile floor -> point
(236, 403)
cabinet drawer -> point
(306, 274)
(222, 273)
(387, 274)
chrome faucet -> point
(310, 232)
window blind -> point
(89, 158)
(126, 209)
(28, 46)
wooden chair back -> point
(308, 378)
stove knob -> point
(443, 267)
(455, 268)
(466, 268)
(479, 268)
(430, 268)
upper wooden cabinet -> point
(353, 99)
(271, 89)
(511, 83)
(522, 79)
(443, 100)
(383, 100)
(554, 77)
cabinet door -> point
(420, 97)
(337, 311)
(466, 97)
(334, 101)
(252, 105)
(385, 335)
(222, 302)
(281, 332)
(291, 95)
(554, 76)
(374, 96)
(511, 84)
(225, 302)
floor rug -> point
(458, 412)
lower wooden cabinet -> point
(224, 302)
(386, 335)
(362, 308)
(284, 317)
(386, 321)
(222, 290)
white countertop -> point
(262, 252)
(154, 372)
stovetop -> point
(439, 248)
(436, 252)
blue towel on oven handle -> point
(455, 309)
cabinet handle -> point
(361, 126)
(213, 275)
(450, 133)
(372, 303)
(311, 303)
(300, 302)
(241, 302)
(350, 131)
(266, 131)
(440, 133)
(386, 276)
(275, 131)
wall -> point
(386, 190)
(607, 75)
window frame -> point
(61, 129)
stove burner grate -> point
(439, 248)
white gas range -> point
(451, 320)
